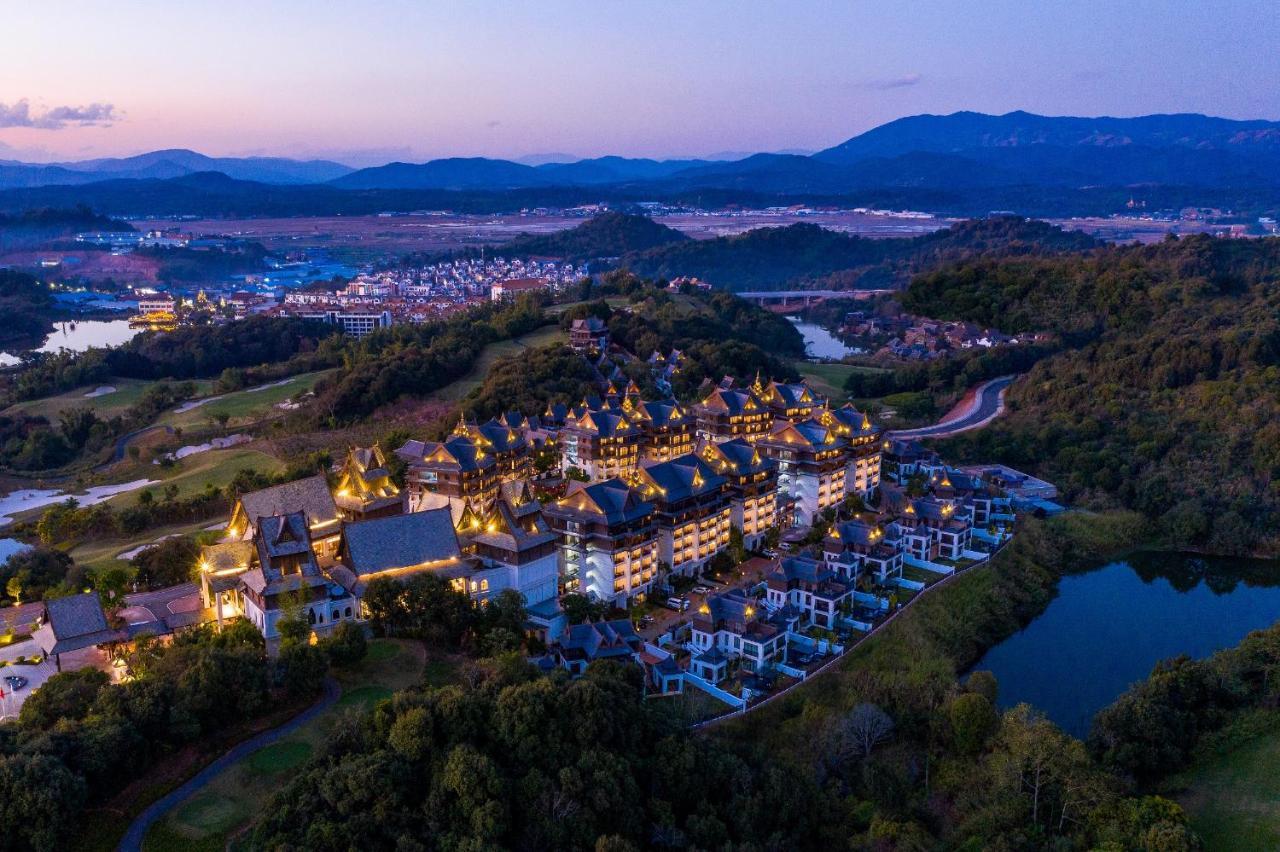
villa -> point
(809, 587)
(731, 626)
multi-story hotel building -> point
(786, 401)
(608, 541)
(456, 472)
(864, 441)
(667, 428)
(691, 508)
(811, 466)
(752, 485)
(603, 444)
(728, 413)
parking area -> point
(35, 676)
(747, 574)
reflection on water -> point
(78, 336)
(820, 343)
(1108, 627)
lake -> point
(79, 336)
(1108, 627)
(820, 343)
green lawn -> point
(127, 393)
(1233, 798)
(209, 819)
(829, 379)
(246, 406)
(494, 352)
(613, 302)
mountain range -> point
(957, 162)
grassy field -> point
(246, 406)
(1233, 798)
(127, 393)
(209, 819)
(613, 302)
(190, 476)
(828, 379)
(494, 352)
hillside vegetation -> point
(806, 255)
(1164, 396)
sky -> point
(368, 82)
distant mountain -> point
(452, 173)
(963, 131)
(173, 163)
(603, 170)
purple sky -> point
(368, 82)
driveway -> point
(748, 574)
(978, 408)
(13, 700)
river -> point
(819, 342)
(1108, 627)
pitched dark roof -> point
(310, 496)
(74, 622)
(399, 541)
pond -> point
(1108, 627)
(820, 343)
(78, 336)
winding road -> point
(979, 407)
(132, 840)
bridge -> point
(778, 299)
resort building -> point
(285, 572)
(728, 413)
(812, 461)
(786, 401)
(404, 546)
(863, 439)
(603, 444)
(582, 644)
(365, 489)
(934, 529)
(810, 587)
(691, 510)
(751, 483)
(608, 541)
(858, 548)
(456, 472)
(589, 335)
(516, 545)
(732, 626)
(309, 496)
(667, 429)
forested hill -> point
(27, 306)
(607, 235)
(806, 255)
(1164, 398)
(34, 226)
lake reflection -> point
(1108, 627)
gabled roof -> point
(681, 478)
(601, 639)
(310, 496)
(74, 622)
(399, 541)
(456, 452)
(513, 526)
(806, 434)
(591, 324)
(736, 458)
(732, 401)
(612, 501)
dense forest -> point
(33, 226)
(808, 256)
(1163, 398)
(27, 306)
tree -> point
(863, 728)
(301, 668)
(111, 582)
(347, 644)
(64, 696)
(40, 802)
(168, 563)
(29, 574)
(972, 720)
(579, 608)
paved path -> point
(132, 840)
(978, 408)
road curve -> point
(978, 408)
(157, 810)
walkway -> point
(979, 407)
(132, 840)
